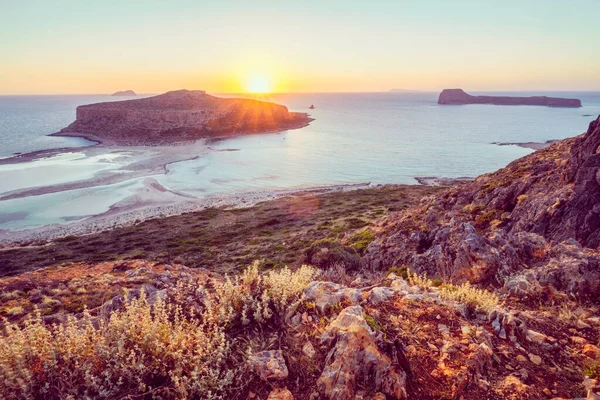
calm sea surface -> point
(355, 138)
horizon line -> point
(390, 91)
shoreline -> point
(104, 143)
(442, 181)
(136, 212)
(529, 145)
(145, 161)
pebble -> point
(537, 360)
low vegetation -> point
(278, 232)
(478, 299)
(159, 348)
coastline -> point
(528, 145)
(131, 213)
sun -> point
(258, 84)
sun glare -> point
(258, 84)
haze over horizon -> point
(234, 47)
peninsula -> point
(179, 116)
(125, 93)
(459, 96)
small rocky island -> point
(459, 96)
(125, 93)
(179, 116)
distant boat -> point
(312, 107)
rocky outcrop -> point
(355, 358)
(532, 227)
(459, 96)
(327, 294)
(179, 116)
(125, 93)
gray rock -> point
(328, 294)
(269, 365)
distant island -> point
(403, 91)
(179, 116)
(125, 93)
(459, 96)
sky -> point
(64, 46)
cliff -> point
(125, 93)
(179, 116)
(459, 96)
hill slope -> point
(530, 227)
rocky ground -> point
(487, 290)
(356, 336)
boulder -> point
(379, 295)
(355, 358)
(269, 365)
(280, 394)
(328, 294)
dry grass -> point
(480, 299)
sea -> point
(376, 138)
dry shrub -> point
(252, 296)
(157, 350)
(139, 349)
(480, 299)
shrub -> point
(14, 311)
(252, 296)
(360, 240)
(418, 280)
(592, 368)
(327, 252)
(141, 349)
(176, 347)
(521, 198)
(484, 220)
(479, 299)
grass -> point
(479, 299)
(592, 369)
(361, 240)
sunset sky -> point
(53, 46)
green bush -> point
(361, 240)
(326, 253)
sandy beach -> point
(150, 199)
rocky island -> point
(125, 93)
(179, 116)
(459, 96)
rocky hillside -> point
(531, 229)
(179, 116)
(154, 330)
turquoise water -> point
(355, 138)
